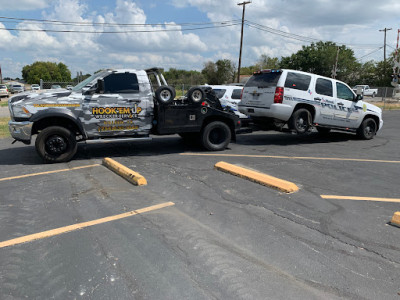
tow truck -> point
(115, 105)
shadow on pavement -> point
(19, 154)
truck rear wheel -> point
(216, 136)
(56, 144)
(300, 121)
(367, 129)
(165, 94)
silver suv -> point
(17, 88)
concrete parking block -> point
(261, 178)
(396, 219)
(128, 174)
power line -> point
(120, 31)
(54, 22)
(376, 50)
(300, 37)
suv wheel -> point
(56, 144)
(367, 129)
(300, 121)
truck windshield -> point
(88, 81)
(264, 80)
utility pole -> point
(384, 50)
(334, 73)
(241, 37)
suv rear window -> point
(219, 92)
(264, 80)
(236, 94)
(297, 81)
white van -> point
(273, 98)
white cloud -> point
(354, 22)
(6, 5)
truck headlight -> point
(21, 112)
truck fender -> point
(61, 113)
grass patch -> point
(387, 105)
(4, 103)
(4, 132)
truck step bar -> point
(112, 140)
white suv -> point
(273, 98)
(229, 95)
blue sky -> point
(274, 24)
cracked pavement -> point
(225, 237)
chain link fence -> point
(45, 85)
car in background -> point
(35, 87)
(229, 96)
(17, 88)
(55, 87)
(3, 91)
(365, 90)
(69, 87)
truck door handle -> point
(340, 103)
(319, 99)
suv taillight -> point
(278, 97)
(241, 94)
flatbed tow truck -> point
(115, 105)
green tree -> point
(183, 77)
(220, 72)
(319, 58)
(267, 62)
(48, 71)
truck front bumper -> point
(21, 131)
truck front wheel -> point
(216, 136)
(56, 144)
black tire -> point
(323, 130)
(196, 95)
(367, 129)
(373, 95)
(216, 136)
(56, 144)
(301, 121)
(165, 94)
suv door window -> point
(343, 92)
(120, 83)
(297, 81)
(324, 87)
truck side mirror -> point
(100, 86)
(359, 90)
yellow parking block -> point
(396, 219)
(128, 174)
(258, 177)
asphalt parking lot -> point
(222, 238)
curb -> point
(396, 219)
(132, 176)
(261, 178)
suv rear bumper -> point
(21, 131)
(278, 111)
